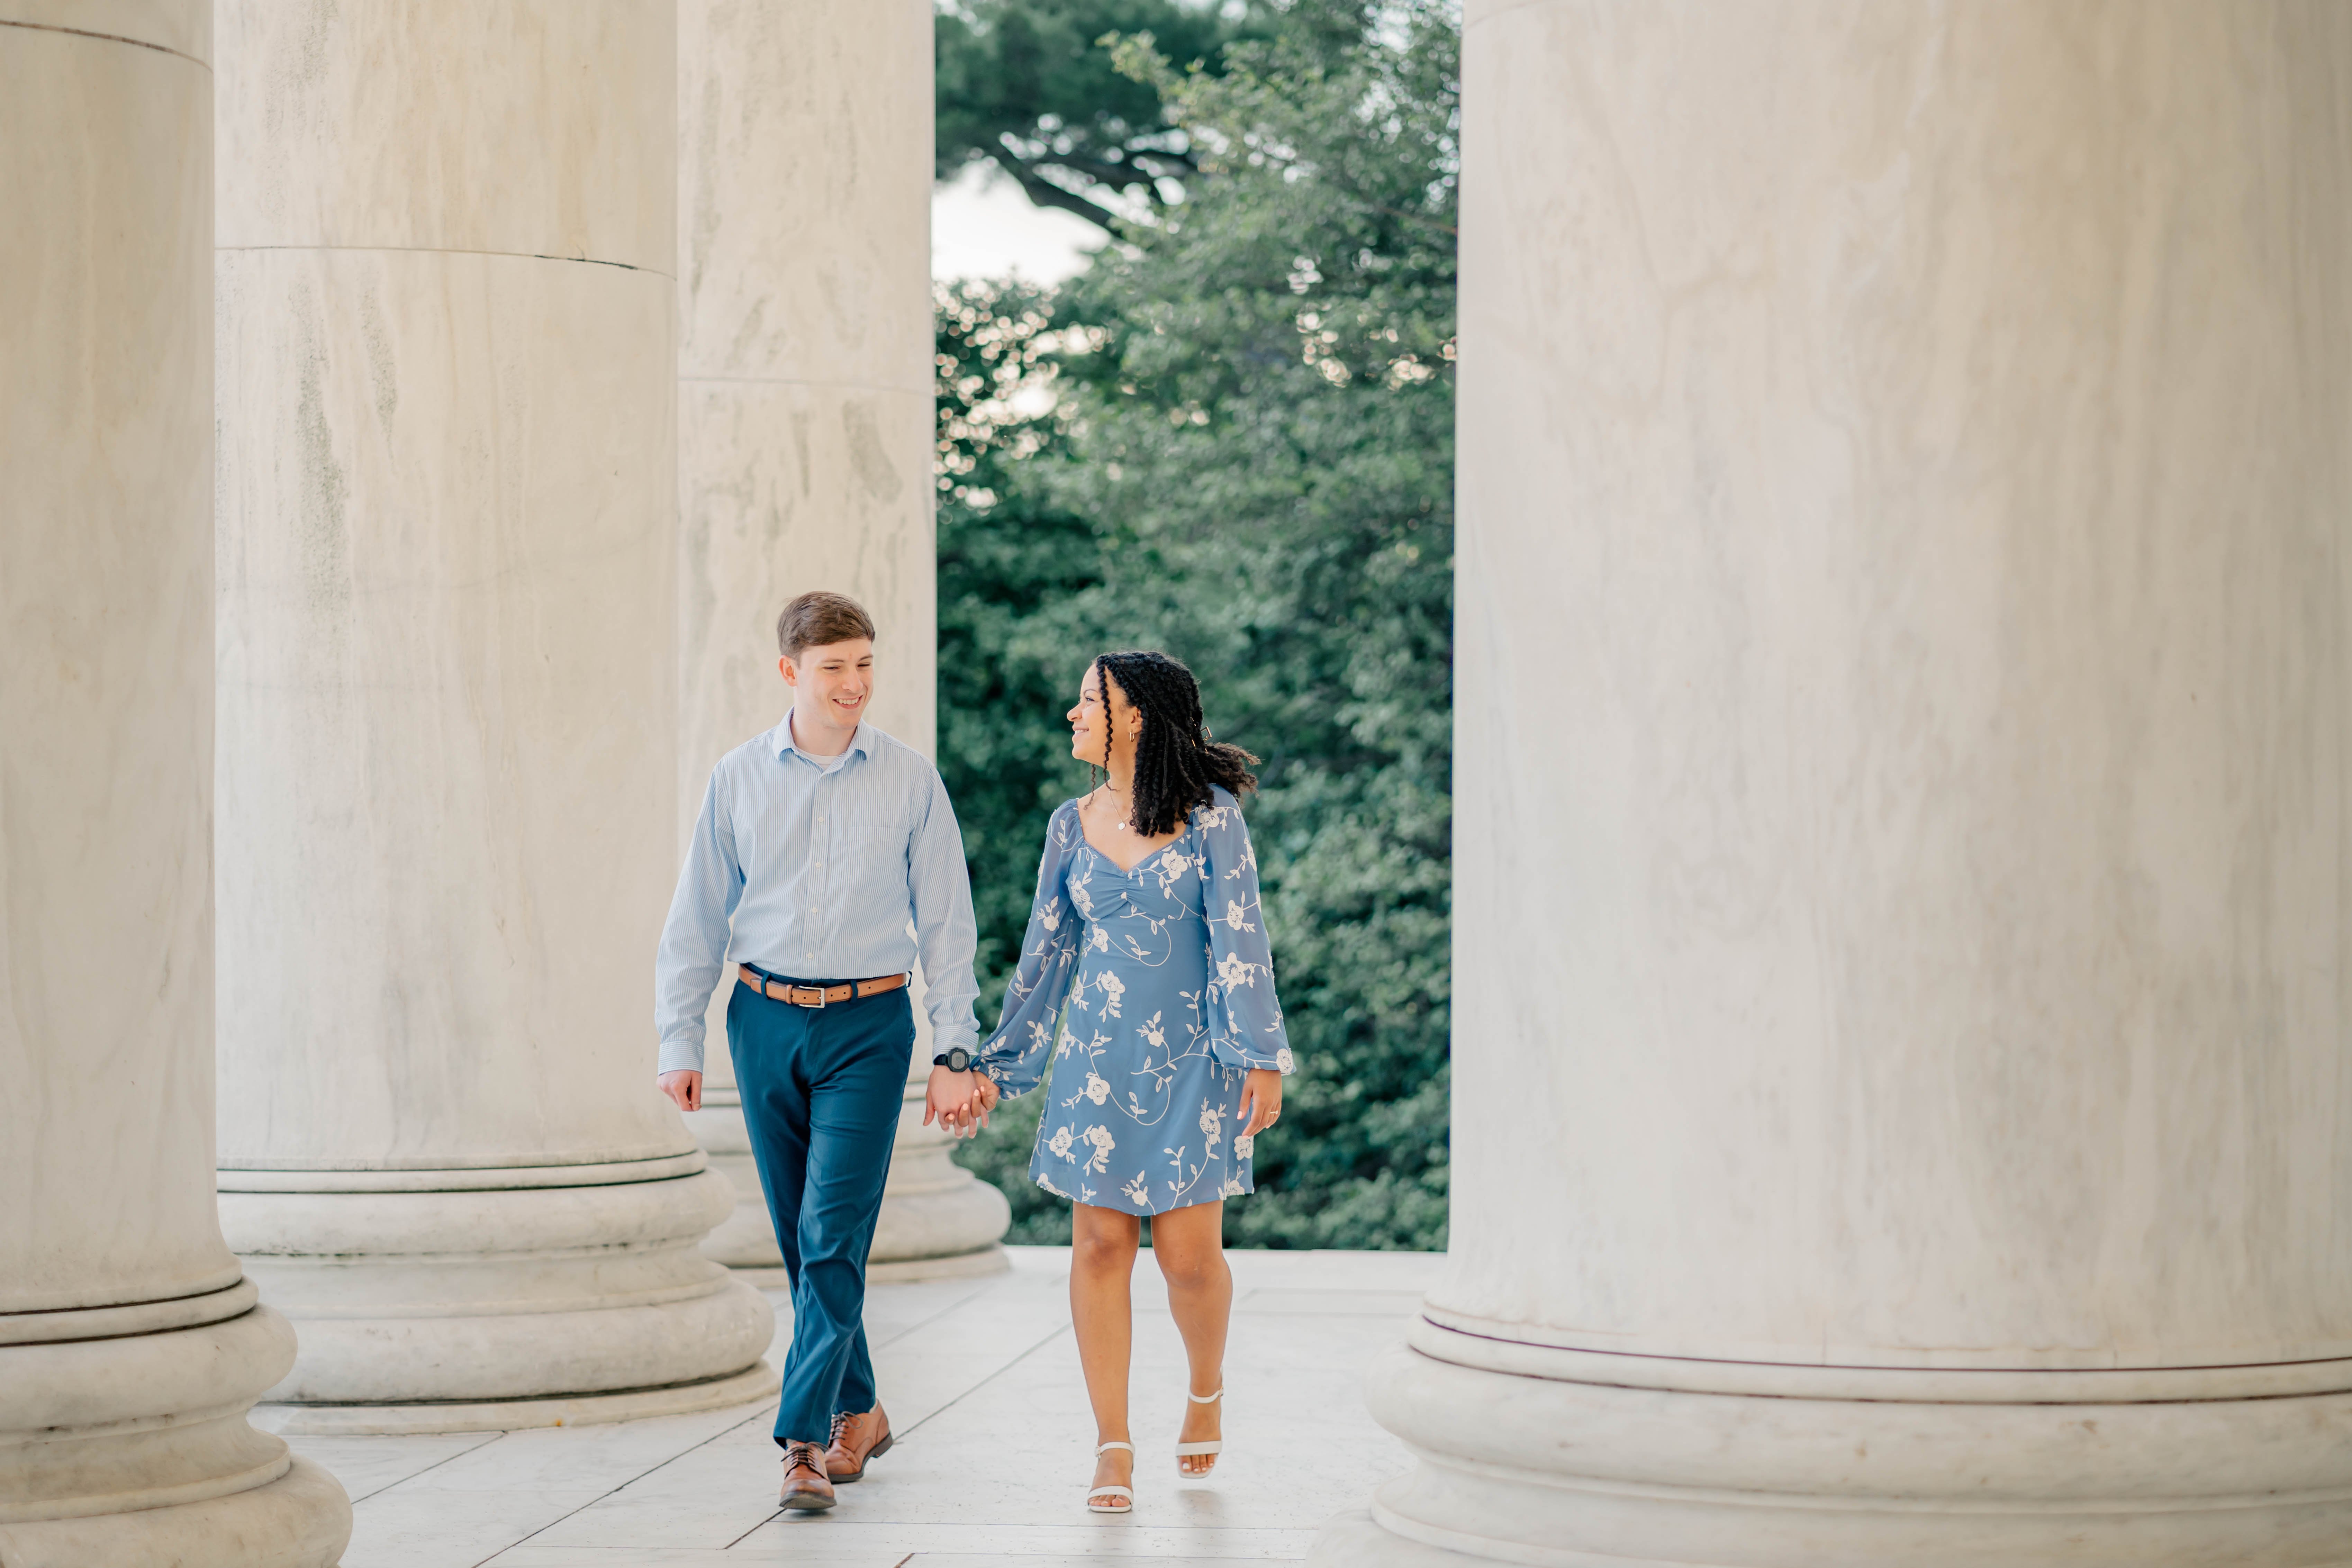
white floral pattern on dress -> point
(1145, 1012)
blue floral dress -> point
(1143, 997)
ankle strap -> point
(1205, 1398)
(1106, 1447)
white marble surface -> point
(804, 353)
(447, 723)
(106, 606)
(1911, 737)
(806, 443)
(804, 145)
(131, 1348)
(991, 1460)
(529, 1294)
(524, 128)
(445, 848)
(1903, 633)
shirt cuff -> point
(681, 1054)
(946, 1040)
(1281, 1061)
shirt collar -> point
(781, 740)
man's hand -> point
(684, 1086)
(952, 1098)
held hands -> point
(960, 1101)
(684, 1086)
(1261, 1100)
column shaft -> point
(447, 549)
(1902, 1112)
(805, 460)
(131, 1347)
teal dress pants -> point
(822, 1088)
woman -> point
(1166, 1056)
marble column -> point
(1902, 1110)
(804, 461)
(131, 1345)
(448, 729)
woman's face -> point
(1089, 723)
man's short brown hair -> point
(818, 619)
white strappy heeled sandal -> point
(1122, 1499)
(1213, 1446)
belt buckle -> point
(818, 1003)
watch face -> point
(959, 1060)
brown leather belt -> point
(816, 996)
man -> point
(818, 843)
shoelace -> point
(840, 1421)
(797, 1455)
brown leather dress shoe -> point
(805, 1486)
(855, 1439)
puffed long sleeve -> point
(1017, 1055)
(1244, 1016)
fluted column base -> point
(938, 1221)
(124, 1441)
(1526, 1456)
(301, 1519)
(501, 1298)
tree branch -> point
(1045, 193)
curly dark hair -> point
(1176, 763)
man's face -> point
(831, 683)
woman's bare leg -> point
(1189, 1243)
(1102, 1315)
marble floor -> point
(992, 1457)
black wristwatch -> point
(955, 1060)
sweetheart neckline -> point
(1140, 865)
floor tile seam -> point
(950, 1404)
(960, 1302)
(757, 1413)
(488, 1440)
(755, 1529)
(623, 1486)
(847, 1526)
(1059, 1329)
(1141, 1559)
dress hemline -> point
(1248, 1187)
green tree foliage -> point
(1019, 582)
(1022, 84)
(1249, 462)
